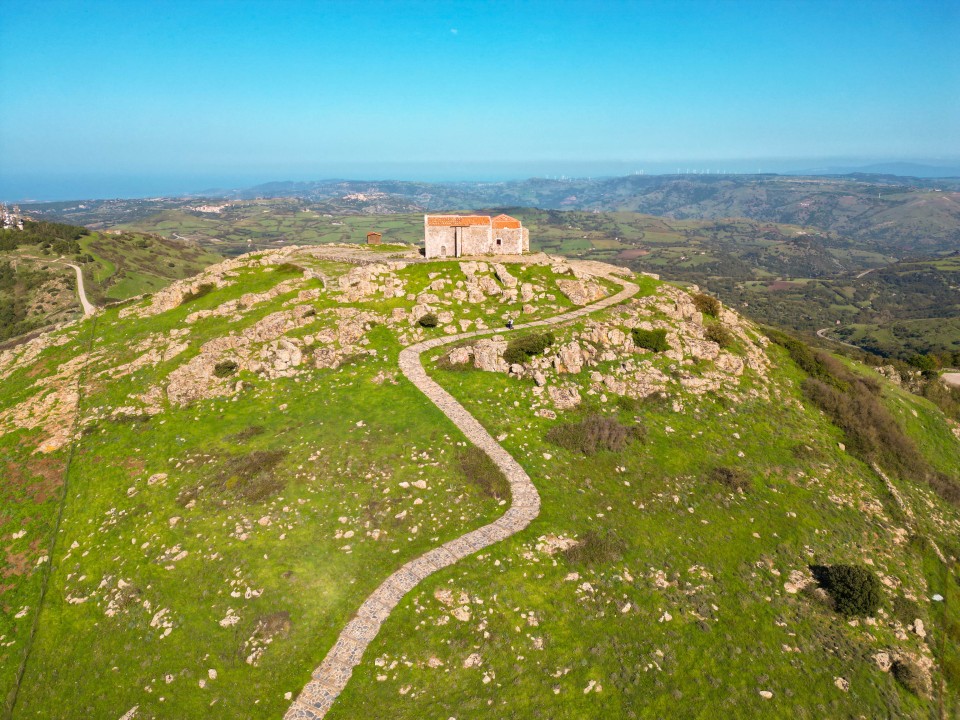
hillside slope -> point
(38, 288)
(230, 466)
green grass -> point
(334, 451)
(725, 640)
(331, 467)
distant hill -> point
(891, 214)
(892, 169)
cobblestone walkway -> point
(334, 672)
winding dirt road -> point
(88, 307)
(334, 672)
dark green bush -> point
(719, 334)
(429, 320)
(483, 472)
(855, 589)
(910, 676)
(655, 340)
(521, 348)
(593, 434)
(225, 368)
(707, 304)
(596, 547)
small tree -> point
(429, 320)
(655, 340)
(707, 304)
(855, 589)
(719, 334)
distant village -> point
(11, 217)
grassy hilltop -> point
(788, 275)
(207, 483)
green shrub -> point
(904, 610)
(483, 472)
(855, 589)
(910, 676)
(655, 340)
(521, 348)
(429, 321)
(225, 368)
(733, 478)
(289, 268)
(719, 334)
(593, 434)
(596, 547)
(707, 304)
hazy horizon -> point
(46, 188)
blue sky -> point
(221, 92)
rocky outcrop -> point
(52, 407)
(504, 276)
(580, 292)
(368, 281)
(488, 355)
(564, 398)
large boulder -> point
(563, 398)
(488, 355)
(580, 292)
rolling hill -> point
(201, 487)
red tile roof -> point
(505, 221)
(457, 220)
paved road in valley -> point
(334, 672)
(822, 333)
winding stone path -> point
(334, 672)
